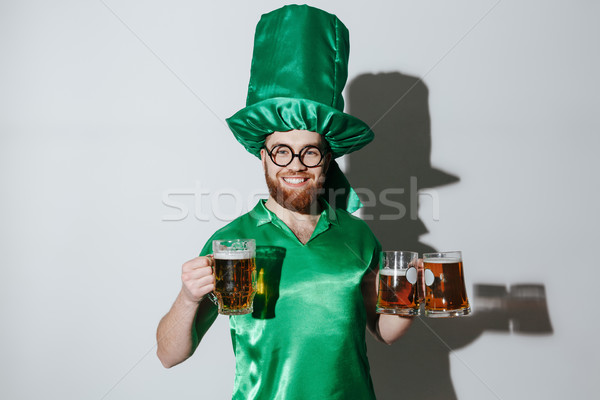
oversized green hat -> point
(299, 69)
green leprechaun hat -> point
(299, 69)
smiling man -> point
(307, 340)
(295, 177)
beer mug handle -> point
(211, 295)
(213, 298)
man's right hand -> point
(178, 332)
(197, 278)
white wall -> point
(108, 106)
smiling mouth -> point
(295, 181)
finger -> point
(420, 264)
(421, 279)
(205, 290)
(195, 274)
(198, 262)
(195, 293)
(202, 286)
(206, 281)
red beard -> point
(302, 201)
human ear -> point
(263, 157)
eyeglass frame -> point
(322, 152)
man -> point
(308, 341)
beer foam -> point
(392, 272)
(234, 255)
(442, 260)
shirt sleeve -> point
(377, 256)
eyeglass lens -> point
(282, 155)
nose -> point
(296, 165)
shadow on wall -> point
(426, 347)
(390, 175)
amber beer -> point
(445, 291)
(396, 294)
(235, 277)
(397, 284)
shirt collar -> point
(328, 212)
(263, 215)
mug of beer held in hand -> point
(235, 275)
(398, 288)
(445, 292)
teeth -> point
(294, 180)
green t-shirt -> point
(306, 337)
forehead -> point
(295, 138)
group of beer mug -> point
(403, 286)
(440, 284)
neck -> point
(301, 224)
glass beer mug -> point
(445, 292)
(398, 289)
(235, 275)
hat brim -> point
(433, 177)
(344, 133)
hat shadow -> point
(393, 171)
(390, 175)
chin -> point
(302, 199)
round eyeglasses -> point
(282, 155)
